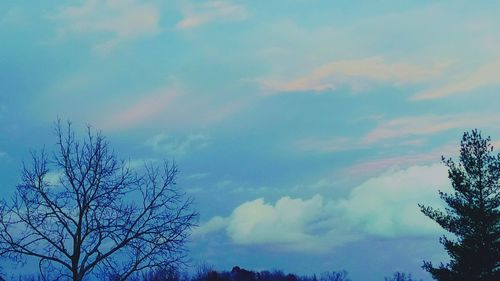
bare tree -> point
(97, 215)
(400, 276)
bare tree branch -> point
(100, 214)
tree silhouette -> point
(334, 276)
(98, 216)
(400, 276)
(472, 214)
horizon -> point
(305, 133)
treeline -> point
(240, 274)
(206, 273)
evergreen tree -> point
(472, 214)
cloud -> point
(423, 125)
(355, 74)
(176, 146)
(369, 167)
(198, 176)
(137, 164)
(123, 20)
(484, 76)
(214, 224)
(53, 178)
(386, 205)
(143, 110)
(252, 222)
(383, 206)
(289, 224)
(327, 145)
(409, 132)
(205, 12)
(172, 104)
(14, 17)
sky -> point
(306, 131)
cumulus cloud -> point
(124, 20)
(386, 205)
(197, 14)
(288, 219)
(355, 74)
(383, 206)
(177, 146)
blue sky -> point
(306, 131)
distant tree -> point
(161, 275)
(334, 276)
(472, 214)
(241, 274)
(400, 276)
(98, 216)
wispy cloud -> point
(14, 17)
(142, 110)
(124, 20)
(424, 125)
(327, 145)
(356, 74)
(370, 167)
(177, 146)
(204, 12)
(487, 75)
(410, 131)
(383, 206)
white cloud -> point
(124, 20)
(200, 13)
(214, 224)
(387, 205)
(177, 146)
(383, 206)
(256, 222)
(53, 178)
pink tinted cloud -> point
(197, 14)
(487, 75)
(354, 73)
(143, 110)
(118, 21)
(375, 166)
(426, 125)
